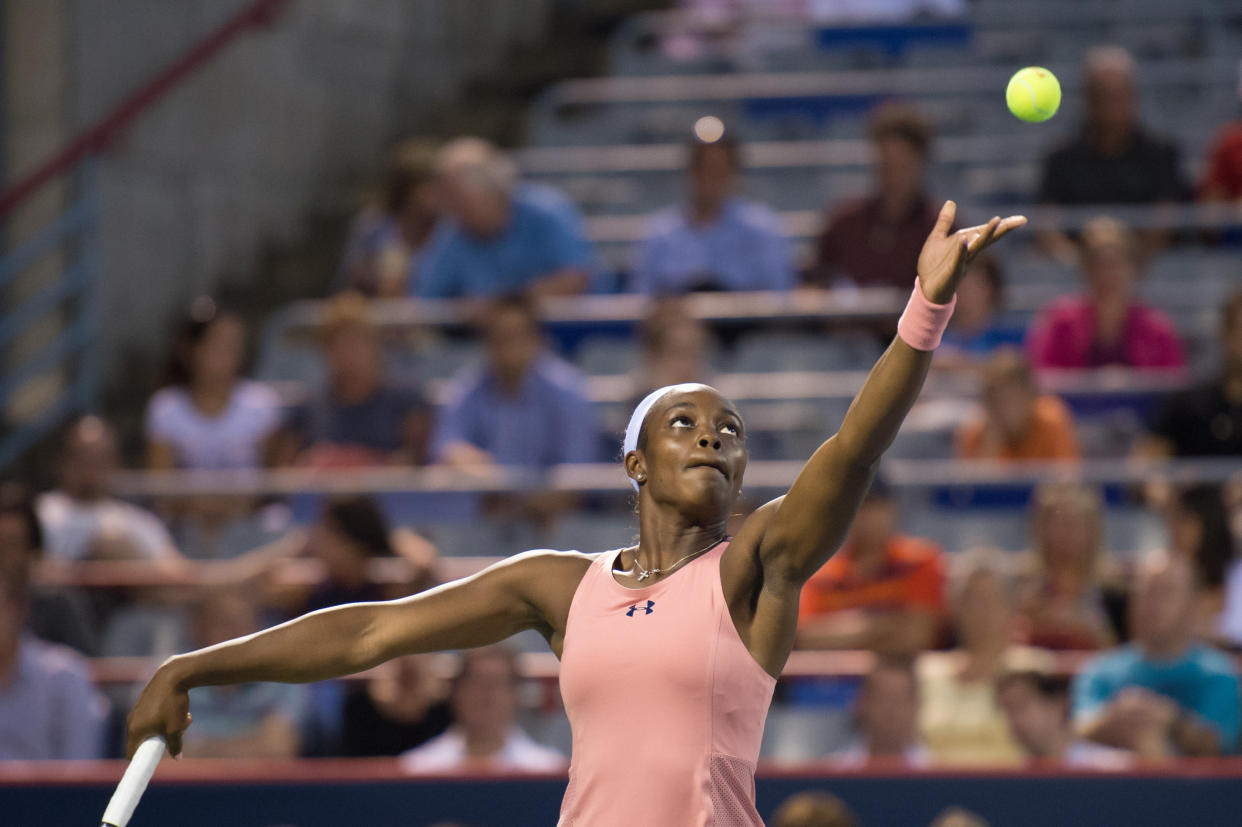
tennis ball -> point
(1033, 94)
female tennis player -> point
(669, 649)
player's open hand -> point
(946, 254)
(162, 709)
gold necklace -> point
(643, 573)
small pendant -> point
(644, 574)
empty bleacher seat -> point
(767, 351)
(290, 362)
(607, 356)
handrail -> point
(809, 223)
(543, 666)
(963, 80)
(836, 152)
(796, 386)
(103, 574)
(607, 477)
(99, 135)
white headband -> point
(640, 415)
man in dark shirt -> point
(1206, 421)
(875, 241)
(358, 417)
(1113, 159)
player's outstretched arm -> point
(812, 519)
(488, 607)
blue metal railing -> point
(69, 297)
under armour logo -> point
(646, 609)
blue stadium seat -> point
(591, 532)
(444, 358)
(607, 356)
(768, 351)
(291, 362)
(804, 733)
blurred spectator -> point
(1037, 706)
(977, 327)
(1113, 159)
(882, 591)
(1199, 531)
(359, 417)
(958, 817)
(1164, 694)
(675, 349)
(1018, 423)
(886, 716)
(1107, 325)
(48, 708)
(523, 407)
(484, 735)
(716, 240)
(206, 415)
(813, 809)
(400, 708)
(959, 717)
(81, 519)
(350, 533)
(251, 720)
(52, 614)
(875, 241)
(498, 236)
(1206, 421)
(1063, 605)
(388, 237)
(1222, 174)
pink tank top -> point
(665, 703)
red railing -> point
(99, 135)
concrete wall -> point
(282, 120)
(36, 80)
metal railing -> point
(69, 295)
(72, 234)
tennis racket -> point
(134, 782)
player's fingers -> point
(1007, 225)
(947, 215)
(174, 744)
(982, 239)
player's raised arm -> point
(490, 606)
(811, 520)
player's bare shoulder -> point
(548, 577)
(547, 580)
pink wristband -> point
(923, 323)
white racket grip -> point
(134, 782)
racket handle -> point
(134, 782)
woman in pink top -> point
(670, 648)
(1106, 325)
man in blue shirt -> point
(48, 708)
(715, 241)
(1164, 693)
(499, 237)
(522, 408)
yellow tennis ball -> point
(1033, 94)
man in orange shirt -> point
(1017, 423)
(882, 591)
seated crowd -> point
(1073, 652)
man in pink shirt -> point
(1106, 325)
